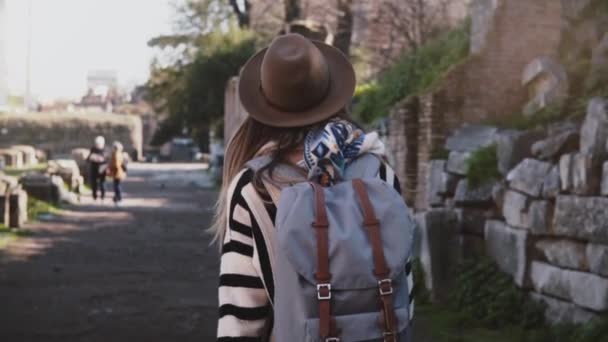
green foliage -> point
(11, 171)
(541, 118)
(414, 73)
(193, 93)
(36, 207)
(421, 294)
(486, 296)
(485, 305)
(440, 152)
(482, 166)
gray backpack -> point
(342, 269)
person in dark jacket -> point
(97, 167)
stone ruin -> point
(13, 203)
(543, 221)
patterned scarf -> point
(328, 151)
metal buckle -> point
(388, 336)
(323, 286)
(390, 287)
(332, 339)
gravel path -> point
(139, 272)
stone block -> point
(473, 220)
(13, 158)
(554, 146)
(513, 146)
(528, 176)
(470, 138)
(42, 187)
(67, 169)
(538, 217)
(562, 312)
(18, 209)
(584, 289)
(457, 162)
(594, 132)
(565, 172)
(585, 174)
(604, 187)
(563, 253)
(515, 209)
(551, 184)
(473, 196)
(472, 246)
(508, 247)
(438, 232)
(582, 218)
(29, 154)
(547, 83)
(498, 195)
(597, 256)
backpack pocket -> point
(360, 327)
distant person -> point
(97, 167)
(117, 169)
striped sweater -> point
(246, 286)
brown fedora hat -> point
(296, 82)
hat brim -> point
(340, 91)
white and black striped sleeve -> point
(244, 308)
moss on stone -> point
(482, 166)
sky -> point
(72, 37)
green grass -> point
(413, 74)
(482, 166)
(36, 207)
(11, 171)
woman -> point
(295, 92)
(97, 167)
(117, 170)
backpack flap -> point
(350, 252)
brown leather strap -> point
(381, 270)
(373, 228)
(327, 328)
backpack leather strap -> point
(327, 328)
(381, 270)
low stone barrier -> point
(544, 222)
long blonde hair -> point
(245, 144)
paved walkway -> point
(139, 272)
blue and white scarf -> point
(328, 151)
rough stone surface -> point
(528, 176)
(547, 82)
(538, 218)
(551, 184)
(471, 137)
(18, 209)
(512, 146)
(473, 220)
(582, 217)
(441, 183)
(498, 195)
(508, 247)
(585, 173)
(594, 133)
(457, 162)
(597, 256)
(558, 311)
(515, 208)
(584, 289)
(555, 146)
(565, 172)
(438, 231)
(598, 72)
(478, 196)
(472, 246)
(563, 253)
(41, 186)
(604, 190)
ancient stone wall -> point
(505, 37)
(60, 133)
(234, 113)
(543, 221)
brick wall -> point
(487, 85)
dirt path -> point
(139, 272)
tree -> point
(187, 81)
